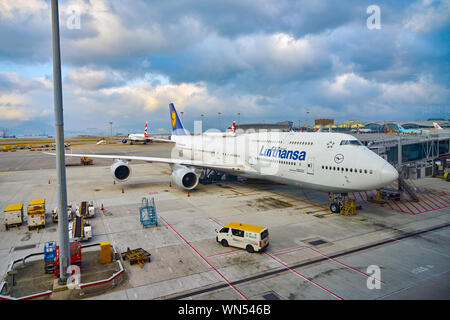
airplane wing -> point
(194, 163)
(161, 140)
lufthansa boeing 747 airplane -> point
(330, 162)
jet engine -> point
(184, 177)
(120, 170)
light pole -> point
(202, 122)
(219, 113)
(63, 225)
(239, 118)
(182, 119)
(111, 123)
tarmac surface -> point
(396, 251)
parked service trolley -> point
(247, 236)
(85, 209)
(13, 215)
(36, 214)
(69, 213)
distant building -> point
(323, 122)
(279, 126)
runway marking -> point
(324, 255)
(309, 280)
(204, 259)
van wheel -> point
(224, 242)
(250, 249)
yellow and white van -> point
(242, 235)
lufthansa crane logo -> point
(338, 158)
(174, 119)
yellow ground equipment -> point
(13, 215)
(348, 207)
(378, 199)
(136, 256)
(105, 252)
(341, 204)
(85, 161)
(36, 214)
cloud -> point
(428, 16)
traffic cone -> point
(114, 182)
(48, 181)
(123, 191)
(102, 207)
(188, 194)
(170, 184)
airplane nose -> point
(388, 174)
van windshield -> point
(264, 234)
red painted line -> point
(423, 200)
(441, 201)
(412, 212)
(390, 205)
(431, 200)
(218, 254)
(334, 260)
(425, 209)
(218, 272)
(401, 210)
(346, 265)
(405, 204)
(309, 280)
(361, 197)
(215, 221)
(418, 211)
(290, 249)
(432, 205)
(366, 195)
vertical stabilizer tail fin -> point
(177, 126)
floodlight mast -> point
(63, 228)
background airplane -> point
(138, 137)
(400, 129)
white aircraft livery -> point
(330, 162)
(138, 137)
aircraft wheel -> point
(334, 207)
(124, 140)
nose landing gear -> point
(339, 203)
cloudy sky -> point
(126, 60)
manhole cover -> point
(270, 296)
(317, 242)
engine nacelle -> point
(120, 170)
(184, 177)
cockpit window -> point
(352, 142)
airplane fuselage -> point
(323, 161)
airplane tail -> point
(437, 126)
(233, 127)
(177, 126)
(399, 126)
(145, 131)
